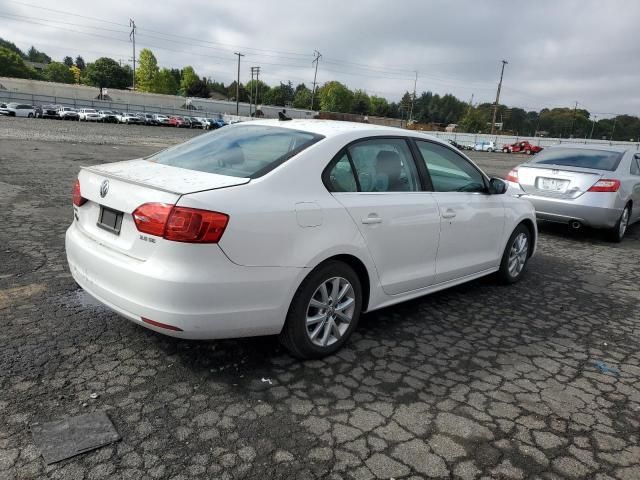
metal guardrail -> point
(472, 139)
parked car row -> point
(490, 146)
(108, 116)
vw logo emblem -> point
(104, 188)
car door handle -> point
(371, 219)
(449, 213)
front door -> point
(471, 220)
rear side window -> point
(247, 151)
(580, 157)
(384, 165)
(635, 165)
(341, 177)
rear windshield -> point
(579, 157)
(247, 151)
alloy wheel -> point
(330, 311)
(518, 254)
(624, 222)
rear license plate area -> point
(551, 184)
(110, 220)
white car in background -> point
(89, 115)
(485, 147)
(67, 113)
(20, 110)
(161, 119)
(207, 124)
(291, 228)
(126, 117)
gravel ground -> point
(477, 382)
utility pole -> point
(251, 92)
(132, 37)
(316, 59)
(495, 106)
(615, 119)
(257, 87)
(238, 84)
(593, 124)
(413, 98)
(573, 119)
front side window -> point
(247, 151)
(384, 165)
(449, 171)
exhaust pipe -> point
(575, 224)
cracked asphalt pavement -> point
(539, 380)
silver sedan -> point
(592, 185)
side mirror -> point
(497, 186)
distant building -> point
(36, 65)
(451, 128)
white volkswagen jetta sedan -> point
(291, 228)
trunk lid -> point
(556, 181)
(129, 185)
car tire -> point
(528, 152)
(315, 327)
(30, 115)
(616, 234)
(516, 255)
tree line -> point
(332, 96)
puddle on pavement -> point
(80, 298)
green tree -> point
(361, 103)
(335, 97)
(34, 55)
(147, 71)
(378, 106)
(58, 72)
(76, 72)
(250, 87)
(107, 73)
(280, 95)
(80, 63)
(12, 65)
(474, 121)
(11, 46)
(302, 97)
(231, 92)
(165, 83)
(187, 79)
(199, 88)
(68, 61)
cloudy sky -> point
(559, 51)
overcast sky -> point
(558, 51)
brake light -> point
(78, 200)
(512, 176)
(605, 185)
(180, 224)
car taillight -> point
(605, 185)
(512, 176)
(78, 200)
(180, 224)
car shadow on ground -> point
(586, 234)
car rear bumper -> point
(194, 288)
(593, 209)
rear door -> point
(377, 181)
(114, 191)
(471, 220)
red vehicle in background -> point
(178, 122)
(521, 147)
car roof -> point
(592, 146)
(335, 128)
